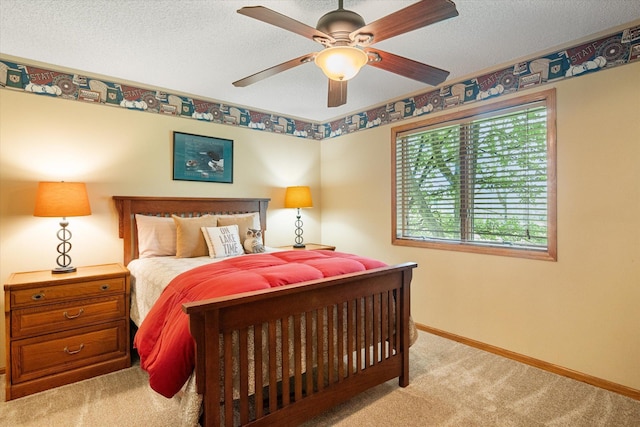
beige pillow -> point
(243, 221)
(156, 236)
(223, 241)
(189, 239)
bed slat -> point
(330, 345)
(340, 340)
(297, 342)
(259, 400)
(244, 374)
(228, 377)
(273, 367)
(309, 352)
(286, 390)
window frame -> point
(547, 97)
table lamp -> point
(298, 197)
(62, 199)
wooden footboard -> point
(347, 334)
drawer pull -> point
(71, 352)
(104, 287)
(75, 316)
(37, 297)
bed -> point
(283, 355)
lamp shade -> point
(298, 197)
(341, 62)
(62, 199)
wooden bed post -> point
(405, 297)
(211, 376)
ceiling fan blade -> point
(337, 93)
(407, 67)
(410, 18)
(272, 17)
(261, 75)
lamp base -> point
(298, 239)
(62, 270)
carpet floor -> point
(451, 385)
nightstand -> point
(310, 247)
(62, 328)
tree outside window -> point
(479, 180)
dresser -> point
(62, 328)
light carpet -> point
(451, 385)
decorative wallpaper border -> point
(616, 49)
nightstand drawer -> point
(64, 352)
(64, 316)
(46, 294)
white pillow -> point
(223, 241)
(156, 236)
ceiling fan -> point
(347, 44)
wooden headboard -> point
(129, 206)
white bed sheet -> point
(149, 277)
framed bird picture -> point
(202, 158)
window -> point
(479, 180)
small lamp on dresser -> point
(298, 197)
(62, 199)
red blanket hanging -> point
(165, 346)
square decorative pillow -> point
(156, 236)
(189, 239)
(223, 241)
(243, 221)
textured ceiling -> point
(201, 46)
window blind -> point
(478, 180)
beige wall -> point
(581, 312)
(119, 152)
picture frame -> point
(202, 158)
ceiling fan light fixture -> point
(341, 62)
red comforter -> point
(165, 346)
